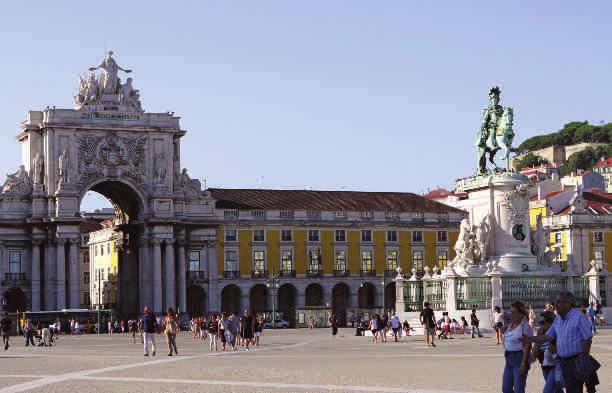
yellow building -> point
(103, 267)
(580, 222)
(327, 248)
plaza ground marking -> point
(53, 379)
(272, 385)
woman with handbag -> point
(517, 354)
(171, 328)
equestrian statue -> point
(495, 133)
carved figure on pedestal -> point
(495, 132)
(545, 253)
(109, 80)
(160, 168)
(130, 96)
(17, 182)
(191, 187)
(37, 169)
(464, 247)
(482, 236)
(88, 90)
(63, 163)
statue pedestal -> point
(504, 198)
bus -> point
(86, 318)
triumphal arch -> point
(106, 143)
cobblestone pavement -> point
(287, 361)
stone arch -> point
(314, 295)
(196, 301)
(127, 198)
(258, 298)
(286, 302)
(230, 299)
(340, 301)
(15, 300)
(367, 295)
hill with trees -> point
(572, 133)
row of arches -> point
(313, 297)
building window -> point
(417, 260)
(259, 261)
(101, 250)
(366, 235)
(391, 260)
(417, 236)
(366, 261)
(230, 235)
(392, 236)
(86, 258)
(340, 261)
(14, 261)
(442, 236)
(558, 238)
(598, 255)
(286, 261)
(286, 235)
(314, 260)
(313, 235)
(259, 235)
(286, 214)
(442, 259)
(231, 261)
(194, 261)
(85, 277)
(340, 214)
(598, 237)
(108, 248)
(86, 299)
(340, 235)
(95, 251)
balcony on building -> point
(367, 273)
(194, 276)
(341, 273)
(287, 273)
(14, 278)
(259, 274)
(314, 272)
(231, 274)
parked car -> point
(280, 324)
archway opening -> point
(196, 301)
(314, 295)
(258, 299)
(340, 302)
(115, 267)
(286, 302)
(15, 300)
(230, 299)
(367, 296)
(390, 296)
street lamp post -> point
(99, 280)
(272, 283)
(384, 292)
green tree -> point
(529, 160)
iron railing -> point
(435, 294)
(259, 273)
(581, 291)
(533, 291)
(367, 273)
(287, 273)
(317, 272)
(473, 292)
(602, 291)
(341, 273)
(14, 276)
(413, 296)
(231, 274)
(196, 275)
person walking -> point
(545, 352)
(334, 325)
(429, 324)
(5, 329)
(247, 328)
(149, 328)
(374, 328)
(573, 334)
(28, 332)
(258, 329)
(516, 352)
(592, 314)
(213, 333)
(395, 326)
(498, 324)
(475, 322)
(223, 324)
(171, 328)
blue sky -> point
(360, 95)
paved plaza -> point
(288, 361)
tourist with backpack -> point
(475, 322)
(171, 328)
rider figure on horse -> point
(490, 120)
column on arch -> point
(74, 273)
(50, 276)
(61, 273)
(36, 275)
(157, 276)
(169, 275)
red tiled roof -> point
(547, 196)
(600, 202)
(89, 226)
(437, 193)
(326, 200)
(603, 163)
